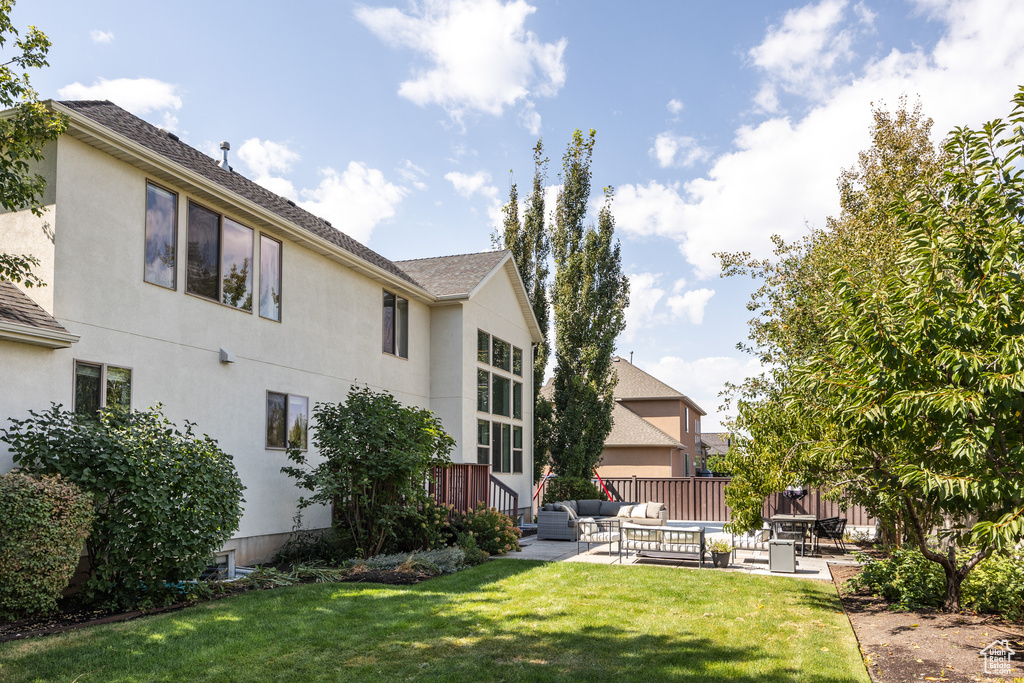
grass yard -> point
(504, 620)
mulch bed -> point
(70, 616)
(900, 646)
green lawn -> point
(504, 620)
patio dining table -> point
(794, 527)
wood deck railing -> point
(461, 485)
(504, 498)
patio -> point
(749, 562)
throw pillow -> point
(574, 505)
(653, 510)
(567, 508)
(625, 511)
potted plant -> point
(720, 552)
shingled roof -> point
(634, 383)
(455, 275)
(629, 429)
(171, 148)
(22, 320)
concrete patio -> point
(810, 567)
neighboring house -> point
(715, 443)
(655, 429)
(174, 280)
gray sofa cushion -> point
(610, 508)
(589, 508)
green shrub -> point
(439, 561)
(427, 527)
(494, 532)
(313, 547)
(374, 456)
(165, 501)
(567, 488)
(996, 585)
(43, 523)
(474, 555)
(906, 579)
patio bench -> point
(665, 542)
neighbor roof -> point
(717, 443)
(629, 429)
(634, 383)
(457, 275)
(170, 147)
(22, 319)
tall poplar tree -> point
(528, 242)
(589, 299)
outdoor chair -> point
(831, 528)
(756, 540)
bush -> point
(567, 488)
(906, 579)
(165, 501)
(425, 528)
(996, 585)
(43, 523)
(493, 532)
(375, 455)
(313, 547)
(439, 561)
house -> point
(715, 443)
(655, 429)
(172, 279)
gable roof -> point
(457, 275)
(23, 320)
(629, 429)
(636, 384)
(168, 146)
(717, 442)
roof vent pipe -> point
(225, 146)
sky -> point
(404, 124)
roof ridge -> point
(472, 253)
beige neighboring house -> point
(655, 429)
(173, 279)
(715, 443)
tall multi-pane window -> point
(500, 403)
(236, 265)
(517, 450)
(270, 278)
(98, 386)
(502, 397)
(161, 236)
(483, 442)
(483, 391)
(483, 347)
(203, 271)
(396, 325)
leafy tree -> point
(23, 133)
(374, 457)
(165, 500)
(589, 298)
(916, 384)
(529, 243)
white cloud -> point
(354, 201)
(703, 379)
(138, 95)
(674, 107)
(677, 150)
(690, 305)
(411, 173)
(679, 286)
(780, 174)
(469, 185)
(98, 36)
(267, 160)
(529, 118)
(476, 56)
(644, 296)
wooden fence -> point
(703, 499)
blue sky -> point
(718, 124)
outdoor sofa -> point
(560, 520)
(664, 542)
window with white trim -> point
(499, 441)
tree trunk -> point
(953, 581)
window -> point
(517, 361)
(501, 447)
(696, 429)
(98, 386)
(500, 395)
(236, 265)
(287, 421)
(161, 236)
(270, 278)
(396, 325)
(483, 389)
(502, 358)
(517, 400)
(219, 258)
(483, 347)
(483, 442)
(517, 450)
(686, 420)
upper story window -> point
(161, 236)
(219, 258)
(396, 325)
(270, 278)
(686, 420)
(517, 361)
(483, 347)
(98, 386)
(502, 356)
